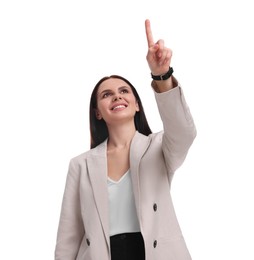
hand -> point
(158, 55)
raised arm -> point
(158, 59)
(179, 128)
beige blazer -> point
(83, 232)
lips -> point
(118, 106)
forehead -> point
(112, 84)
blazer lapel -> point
(97, 170)
(139, 145)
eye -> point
(123, 91)
(106, 94)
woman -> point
(117, 202)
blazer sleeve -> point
(71, 228)
(178, 125)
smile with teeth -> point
(119, 107)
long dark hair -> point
(98, 128)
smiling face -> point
(115, 101)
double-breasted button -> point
(88, 242)
(123, 236)
(155, 207)
(154, 243)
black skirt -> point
(127, 246)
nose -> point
(117, 97)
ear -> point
(98, 114)
(137, 106)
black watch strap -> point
(163, 76)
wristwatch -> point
(163, 76)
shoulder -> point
(141, 141)
(156, 142)
(98, 151)
(156, 137)
(80, 157)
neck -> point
(120, 136)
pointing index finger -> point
(149, 35)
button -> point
(88, 242)
(123, 236)
(155, 243)
(155, 207)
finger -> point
(149, 35)
(160, 49)
(168, 57)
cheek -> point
(102, 106)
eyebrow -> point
(109, 90)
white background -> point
(52, 53)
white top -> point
(122, 210)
